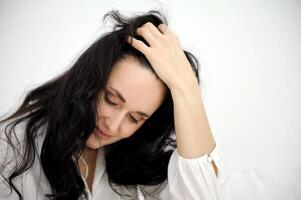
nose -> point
(112, 124)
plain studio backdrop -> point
(249, 53)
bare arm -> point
(194, 137)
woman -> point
(106, 128)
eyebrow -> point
(119, 95)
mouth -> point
(102, 134)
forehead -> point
(141, 89)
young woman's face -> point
(131, 96)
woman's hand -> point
(194, 137)
(165, 55)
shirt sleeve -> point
(194, 179)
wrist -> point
(189, 89)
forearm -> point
(194, 137)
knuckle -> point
(141, 30)
(161, 25)
(141, 45)
(138, 30)
(139, 42)
(148, 24)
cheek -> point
(128, 130)
(103, 109)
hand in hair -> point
(165, 54)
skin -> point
(121, 119)
(165, 54)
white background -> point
(250, 65)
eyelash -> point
(114, 104)
(108, 101)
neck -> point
(87, 167)
(89, 154)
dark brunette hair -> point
(66, 108)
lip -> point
(102, 134)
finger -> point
(138, 44)
(147, 35)
(153, 29)
(164, 29)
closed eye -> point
(133, 119)
(109, 101)
(114, 104)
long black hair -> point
(66, 108)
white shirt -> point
(188, 179)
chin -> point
(92, 145)
(94, 142)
